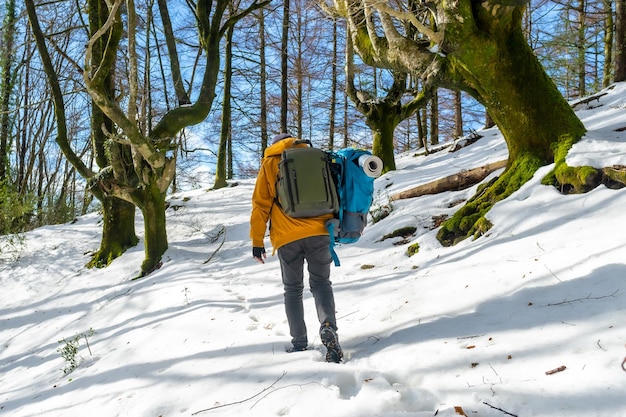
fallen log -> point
(456, 182)
(589, 99)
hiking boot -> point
(296, 349)
(331, 341)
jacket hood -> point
(280, 146)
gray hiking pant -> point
(316, 251)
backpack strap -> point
(331, 224)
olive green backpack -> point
(305, 187)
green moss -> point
(466, 222)
(470, 220)
(571, 179)
(364, 45)
(576, 179)
(615, 175)
(413, 249)
(104, 257)
(481, 227)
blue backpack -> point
(355, 189)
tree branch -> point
(434, 36)
(106, 27)
(499, 409)
(589, 297)
(240, 15)
(244, 400)
(418, 102)
(170, 41)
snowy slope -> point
(470, 329)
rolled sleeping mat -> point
(372, 165)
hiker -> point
(296, 240)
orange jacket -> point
(283, 228)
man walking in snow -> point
(296, 240)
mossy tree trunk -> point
(383, 143)
(118, 231)
(151, 202)
(478, 48)
(532, 115)
(118, 228)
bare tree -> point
(333, 88)
(263, 83)
(608, 43)
(458, 114)
(225, 134)
(620, 40)
(284, 67)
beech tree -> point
(479, 48)
(152, 151)
(383, 114)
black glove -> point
(258, 252)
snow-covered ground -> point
(528, 320)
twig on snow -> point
(221, 231)
(556, 370)
(499, 409)
(553, 274)
(589, 297)
(278, 389)
(244, 400)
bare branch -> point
(499, 409)
(371, 28)
(240, 15)
(383, 7)
(244, 400)
(589, 297)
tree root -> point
(470, 220)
